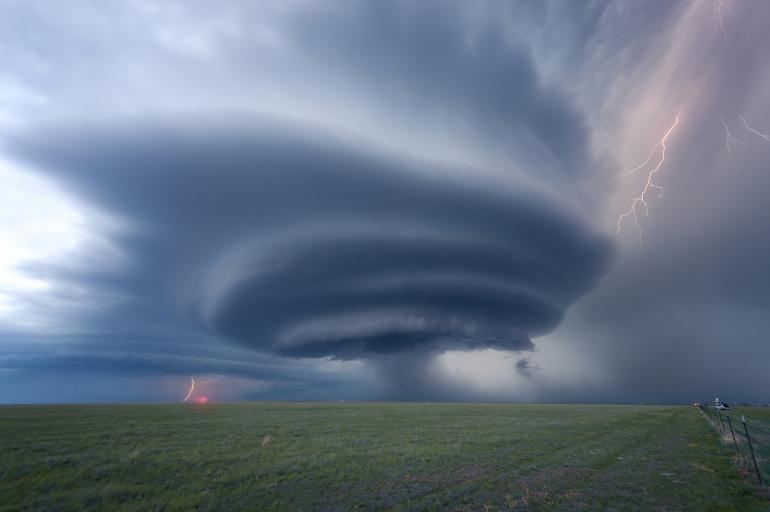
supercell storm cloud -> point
(303, 243)
(324, 199)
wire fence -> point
(750, 439)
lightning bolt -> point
(752, 130)
(641, 199)
(192, 387)
(719, 7)
(729, 136)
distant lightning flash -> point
(641, 199)
(729, 137)
(719, 8)
(752, 130)
(192, 388)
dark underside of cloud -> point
(302, 243)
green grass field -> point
(266, 456)
(758, 419)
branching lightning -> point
(719, 7)
(752, 130)
(641, 199)
(192, 388)
(729, 137)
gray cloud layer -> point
(300, 244)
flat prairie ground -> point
(366, 456)
(758, 419)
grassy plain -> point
(758, 419)
(367, 456)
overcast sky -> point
(384, 200)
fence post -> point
(751, 448)
(730, 422)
